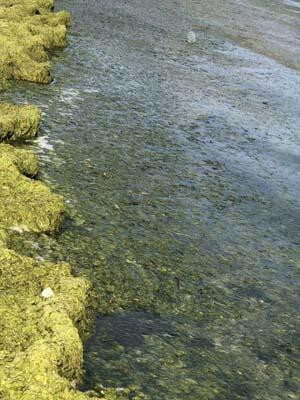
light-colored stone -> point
(47, 293)
(191, 37)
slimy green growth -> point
(40, 346)
(28, 29)
(40, 334)
(26, 204)
(41, 351)
(18, 122)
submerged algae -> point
(18, 121)
(41, 348)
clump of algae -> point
(27, 29)
(18, 122)
(40, 348)
(26, 204)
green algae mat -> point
(28, 29)
(26, 204)
(41, 304)
(18, 122)
(43, 308)
(40, 348)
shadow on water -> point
(179, 166)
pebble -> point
(74, 384)
(47, 293)
(191, 37)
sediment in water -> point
(40, 345)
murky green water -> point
(180, 167)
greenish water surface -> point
(180, 166)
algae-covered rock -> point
(40, 348)
(26, 204)
(18, 122)
(27, 30)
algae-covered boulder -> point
(40, 348)
(18, 122)
(27, 29)
(26, 204)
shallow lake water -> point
(180, 166)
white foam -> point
(69, 95)
(291, 3)
(43, 143)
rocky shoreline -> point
(40, 342)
